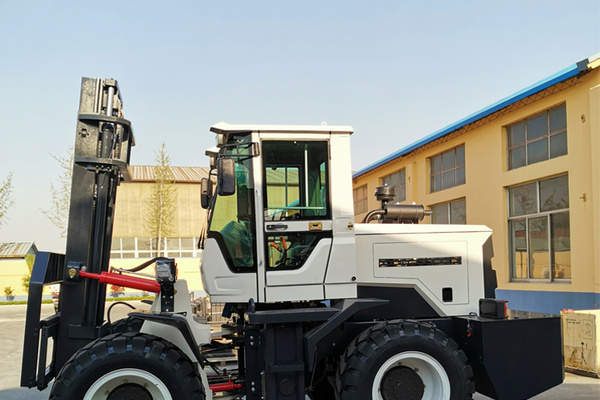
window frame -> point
(305, 171)
(363, 201)
(401, 184)
(448, 205)
(526, 143)
(232, 219)
(454, 169)
(117, 252)
(526, 218)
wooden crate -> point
(581, 336)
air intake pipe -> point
(395, 213)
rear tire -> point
(405, 360)
(128, 365)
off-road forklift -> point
(317, 304)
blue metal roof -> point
(560, 76)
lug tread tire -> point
(128, 350)
(129, 324)
(367, 352)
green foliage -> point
(29, 259)
(14, 303)
(129, 298)
(58, 213)
(6, 201)
(161, 204)
(8, 291)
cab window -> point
(296, 177)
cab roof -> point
(226, 128)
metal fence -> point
(212, 312)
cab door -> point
(297, 218)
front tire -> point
(125, 366)
(405, 360)
(129, 324)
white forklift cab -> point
(287, 231)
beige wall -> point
(487, 180)
(131, 214)
(593, 196)
(131, 211)
(11, 272)
(187, 268)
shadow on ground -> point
(24, 394)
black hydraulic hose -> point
(111, 307)
(146, 264)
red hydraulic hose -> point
(123, 280)
(225, 387)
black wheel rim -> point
(130, 391)
(402, 383)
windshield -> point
(231, 220)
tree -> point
(116, 290)
(5, 197)
(58, 213)
(9, 293)
(161, 204)
(29, 260)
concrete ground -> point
(12, 324)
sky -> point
(394, 70)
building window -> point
(397, 180)
(538, 219)
(448, 169)
(360, 200)
(147, 247)
(539, 138)
(453, 212)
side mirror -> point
(206, 191)
(225, 176)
